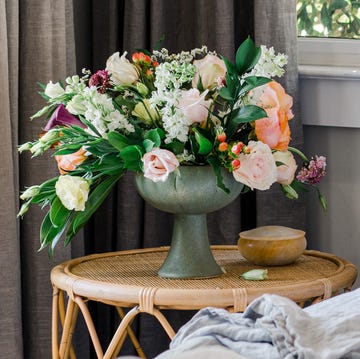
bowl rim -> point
(272, 233)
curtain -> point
(43, 40)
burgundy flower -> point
(61, 117)
(313, 171)
(101, 80)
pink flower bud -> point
(235, 164)
(221, 137)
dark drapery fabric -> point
(45, 40)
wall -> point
(329, 108)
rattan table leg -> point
(120, 331)
(61, 308)
(90, 325)
(55, 324)
(132, 337)
(68, 329)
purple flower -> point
(61, 117)
(313, 171)
(101, 80)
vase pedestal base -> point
(190, 256)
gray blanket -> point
(274, 327)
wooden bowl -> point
(272, 245)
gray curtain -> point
(43, 40)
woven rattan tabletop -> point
(120, 278)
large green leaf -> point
(49, 234)
(247, 55)
(155, 135)
(244, 114)
(118, 140)
(96, 198)
(132, 155)
(229, 92)
(205, 146)
(216, 166)
(58, 213)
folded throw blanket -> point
(274, 327)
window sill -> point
(329, 72)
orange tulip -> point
(69, 162)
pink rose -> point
(211, 69)
(257, 168)
(285, 172)
(194, 106)
(158, 164)
(273, 130)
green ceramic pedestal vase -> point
(189, 196)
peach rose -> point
(257, 168)
(286, 171)
(273, 130)
(211, 69)
(194, 106)
(69, 162)
(158, 164)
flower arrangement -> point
(156, 112)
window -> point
(328, 36)
(329, 18)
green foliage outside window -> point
(329, 18)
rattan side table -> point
(129, 279)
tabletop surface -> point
(120, 276)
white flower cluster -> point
(96, 108)
(170, 77)
(183, 56)
(269, 64)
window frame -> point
(329, 57)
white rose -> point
(121, 70)
(53, 90)
(76, 105)
(72, 191)
(285, 172)
(257, 169)
(194, 106)
(211, 69)
(158, 163)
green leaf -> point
(118, 141)
(95, 199)
(205, 146)
(132, 156)
(67, 149)
(58, 213)
(252, 82)
(244, 114)
(176, 147)
(155, 135)
(229, 92)
(148, 145)
(50, 235)
(216, 166)
(247, 56)
(226, 94)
